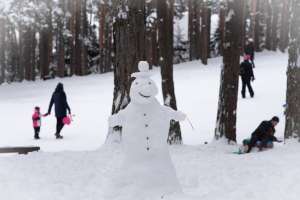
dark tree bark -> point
(205, 32)
(226, 117)
(137, 27)
(275, 18)
(292, 128)
(129, 41)
(2, 50)
(194, 29)
(222, 26)
(28, 56)
(61, 41)
(165, 27)
(268, 41)
(284, 27)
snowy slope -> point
(208, 172)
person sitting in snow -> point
(263, 136)
(36, 119)
(247, 76)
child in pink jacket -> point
(36, 119)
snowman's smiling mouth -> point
(145, 96)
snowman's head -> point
(143, 89)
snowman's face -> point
(143, 90)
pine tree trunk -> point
(165, 11)
(226, 117)
(275, 18)
(194, 29)
(78, 44)
(205, 33)
(2, 50)
(284, 28)
(222, 26)
(122, 65)
(268, 40)
(137, 29)
(258, 28)
(129, 41)
(61, 42)
(292, 128)
(102, 15)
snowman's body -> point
(145, 126)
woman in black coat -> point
(59, 99)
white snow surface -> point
(80, 167)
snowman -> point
(145, 123)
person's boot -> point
(58, 136)
(36, 136)
(243, 95)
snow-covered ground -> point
(79, 168)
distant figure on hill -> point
(247, 75)
(59, 99)
(250, 50)
(263, 136)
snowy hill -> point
(208, 172)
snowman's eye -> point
(149, 83)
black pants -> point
(37, 132)
(59, 125)
(246, 82)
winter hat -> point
(275, 119)
(247, 57)
(144, 71)
(37, 108)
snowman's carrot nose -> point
(188, 119)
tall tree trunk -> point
(61, 41)
(78, 44)
(102, 15)
(194, 29)
(222, 26)
(275, 17)
(269, 11)
(258, 27)
(253, 14)
(226, 117)
(45, 50)
(284, 28)
(2, 50)
(129, 41)
(165, 9)
(205, 32)
(137, 27)
(292, 128)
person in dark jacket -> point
(247, 75)
(249, 50)
(59, 99)
(263, 136)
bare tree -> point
(292, 128)
(165, 9)
(284, 25)
(194, 29)
(226, 117)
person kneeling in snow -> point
(263, 136)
